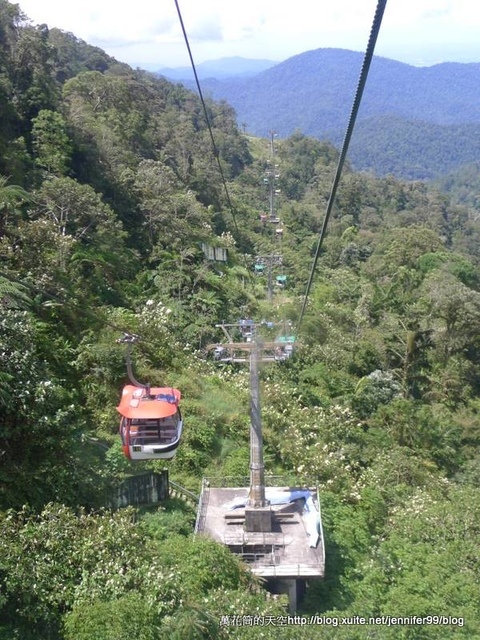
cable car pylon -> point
(270, 261)
(256, 498)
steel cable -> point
(377, 21)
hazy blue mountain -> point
(406, 112)
(221, 68)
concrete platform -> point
(282, 552)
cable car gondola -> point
(281, 281)
(285, 347)
(259, 269)
(151, 423)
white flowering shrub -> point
(57, 559)
(154, 315)
(314, 442)
(379, 387)
(228, 239)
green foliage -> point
(130, 616)
(236, 460)
(378, 405)
(425, 563)
(117, 464)
(40, 423)
(457, 265)
(50, 142)
(376, 389)
(78, 560)
(172, 519)
(403, 247)
(194, 559)
(11, 197)
(191, 623)
(13, 294)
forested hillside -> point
(109, 187)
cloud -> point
(207, 29)
(258, 28)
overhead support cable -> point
(377, 21)
(214, 146)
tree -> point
(172, 216)
(57, 561)
(425, 562)
(12, 197)
(454, 311)
(50, 142)
(34, 87)
(402, 247)
(13, 295)
(83, 240)
(41, 419)
(129, 616)
(376, 389)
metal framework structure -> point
(254, 351)
(239, 351)
(269, 262)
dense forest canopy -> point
(109, 188)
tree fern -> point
(13, 295)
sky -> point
(148, 34)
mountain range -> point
(234, 67)
(417, 123)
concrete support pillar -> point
(258, 520)
(292, 595)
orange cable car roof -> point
(160, 403)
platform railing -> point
(185, 494)
(202, 507)
(221, 482)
